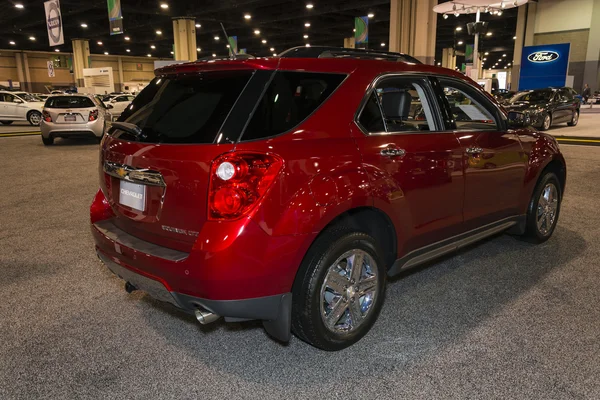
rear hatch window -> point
(188, 109)
(69, 102)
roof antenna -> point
(233, 53)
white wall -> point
(563, 15)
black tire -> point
(574, 118)
(533, 234)
(307, 322)
(34, 116)
(48, 141)
(6, 122)
(546, 122)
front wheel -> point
(574, 119)
(546, 122)
(543, 210)
(339, 290)
(34, 118)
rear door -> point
(494, 161)
(415, 167)
(157, 183)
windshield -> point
(534, 96)
(27, 97)
(186, 109)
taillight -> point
(46, 116)
(238, 181)
(93, 115)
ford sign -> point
(543, 56)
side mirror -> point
(518, 119)
(109, 106)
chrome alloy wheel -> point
(547, 122)
(547, 208)
(349, 291)
(575, 118)
(35, 118)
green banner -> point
(361, 30)
(233, 45)
(115, 18)
(469, 53)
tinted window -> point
(566, 95)
(188, 109)
(404, 104)
(470, 110)
(370, 117)
(69, 102)
(289, 100)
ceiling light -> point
(84, 25)
(370, 15)
(503, 55)
(149, 55)
(488, 34)
(153, 47)
(12, 43)
(354, 30)
(257, 32)
(198, 49)
(172, 52)
(127, 50)
(264, 41)
(508, 64)
(307, 44)
(274, 54)
(106, 53)
(19, 5)
(32, 38)
(247, 16)
(57, 50)
(159, 32)
(127, 38)
(499, 60)
(307, 24)
(198, 25)
(459, 28)
(456, 14)
(485, 59)
(439, 63)
(486, 54)
(216, 38)
(460, 42)
(272, 49)
(305, 36)
(382, 44)
(514, 38)
(214, 55)
(445, 16)
(499, 13)
(164, 6)
(99, 43)
(309, 6)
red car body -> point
(245, 268)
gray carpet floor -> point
(502, 319)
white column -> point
(19, 65)
(121, 80)
(412, 28)
(184, 35)
(27, 75)
(518, 50)
(591, 71)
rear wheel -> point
(574, 119)
(48, 141)
(339, 290)
(544, 209)
(6, 122)
(34, 118)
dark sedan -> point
(547, 107)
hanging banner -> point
(115, 18)
(361, 29)
(54, 23)
(233, 46)
(242, 51)
(469, 53)
(50, 69)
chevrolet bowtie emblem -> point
(121, 172)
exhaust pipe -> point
(206, 317)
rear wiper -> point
(133, 129)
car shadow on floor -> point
(425, 310)
(62, 142)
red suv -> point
(287, 189)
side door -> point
(567, 104)
(11, 107)
(493, 158)
(21, 108)
(414, 166)
(3, 106)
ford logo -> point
(543, 56)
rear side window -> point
(290, 99)
(69, 102)
(187, 109)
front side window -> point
(371, 119)
(467, 107)
(290, 98)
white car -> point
(119, 103)
(20, 106)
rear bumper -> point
(274, 311)
(92, 128)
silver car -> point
(73, 115)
